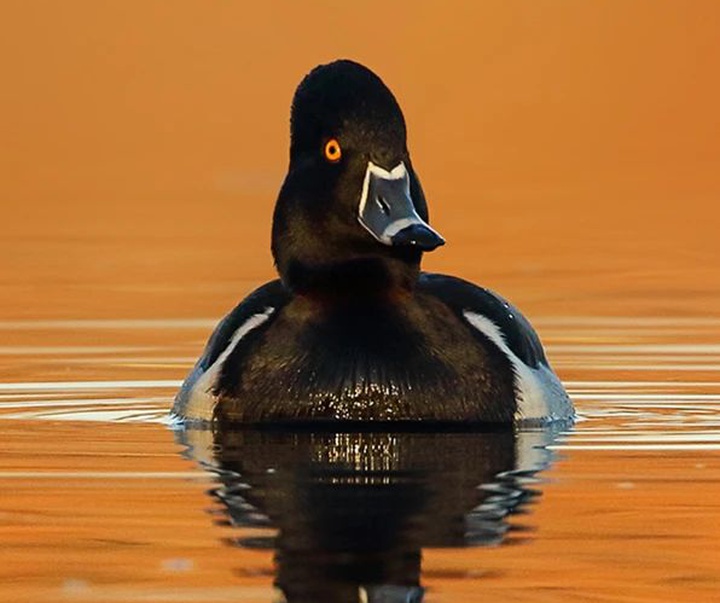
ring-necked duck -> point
(353, 331)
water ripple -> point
(678, 410)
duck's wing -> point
(195, 401)
(488, 313)
(495, 321)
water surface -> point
(103, 501)
(569, 152)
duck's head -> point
(351, 202)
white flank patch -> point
(540, 395)
(201, 404)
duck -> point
(353, 332)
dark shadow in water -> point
(353, 511)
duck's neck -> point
(352, 279)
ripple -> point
(122, 324)
(679, 410)
(31, 386)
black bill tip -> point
(418, 235)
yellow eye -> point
(333, 152)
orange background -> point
(570, 151)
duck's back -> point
(494, 322)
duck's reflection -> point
(353, 511)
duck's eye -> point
(333, 152)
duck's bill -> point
(387, 212)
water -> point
(143, 146)
(102, 501)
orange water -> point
(99, 505)
(570, 153)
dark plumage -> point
(353, 331)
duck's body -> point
(353, 331)
(448, 352)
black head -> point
(351, 203)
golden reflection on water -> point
(639, 470)
(569, 152)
